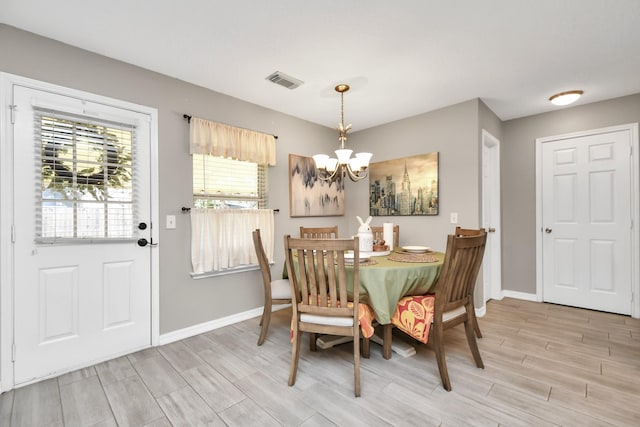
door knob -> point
(548, 230)
(144, 242)
(142, 226)
(491, 230)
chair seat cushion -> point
(365, 319)
(280, 289)
(452, 314)
(414, 315)
(326, 320)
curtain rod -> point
(188, 117)
(187, 210)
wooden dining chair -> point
(378, 234)
(319, 232)
(451, 303)
(468, 231)
(275, 291)
(471, 232)
(322, 305)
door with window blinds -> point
(81, 202)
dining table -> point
(385, 278)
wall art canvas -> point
(309, 195)
(406, 186)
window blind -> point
(87, 175)
(226, 183)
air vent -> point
(284, 80)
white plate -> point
(348, 257)
(416, 249)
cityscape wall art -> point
(308, 194)
(406, 186)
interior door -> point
(586, 221)
(82, 283)
(491, 219)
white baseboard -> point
(519, 295)
(201, 328)
(480, 312)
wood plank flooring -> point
(546, 365)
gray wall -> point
(453, 131)
(518, 177)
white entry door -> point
(586, 221)
(82, 283)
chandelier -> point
(331, 168)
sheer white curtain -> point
(221, 238)
(217, 139)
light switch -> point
(171, 222)
(454, 217)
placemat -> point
(410, 257)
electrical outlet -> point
(171, 222)
(454, 217)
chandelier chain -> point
(342, 109)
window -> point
(226, 183)
(233, 194)
(229, 196)
(86, 181)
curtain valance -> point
(217, 139)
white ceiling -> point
(401, 58)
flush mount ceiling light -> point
(331, 168)
(566, 98)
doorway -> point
(78, 185)
(587, 233)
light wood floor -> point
(545, 365)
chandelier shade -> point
(331, 168)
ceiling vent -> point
(284, 80)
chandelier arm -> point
(329, 177)
(353, 176)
